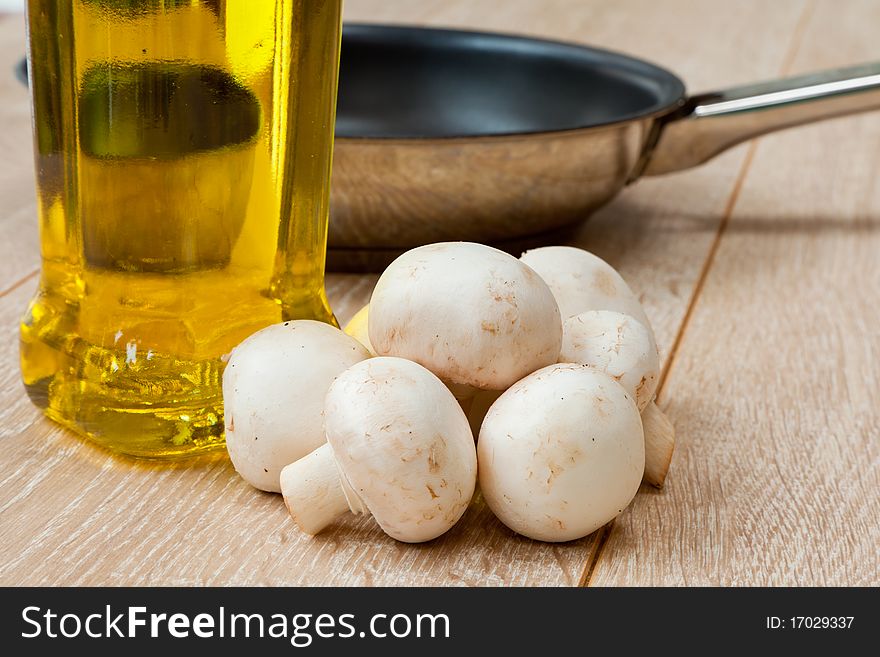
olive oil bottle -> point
(183, 152)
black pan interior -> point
(401, 82)
(409, 82)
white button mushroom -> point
(273, 393)
(582, 281)
(561, 453)
(399, 447)
(471, 314)
(616, 344)
(358, 328)
(619, 345)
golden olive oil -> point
(183, 152)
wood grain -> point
(774, 390)
(71, 514)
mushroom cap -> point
(403, 445)
(471, 314)
(273, 393)
(561, 453)
(616, 344)
(582, 281)
(358, 328)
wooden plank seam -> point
(788, 61)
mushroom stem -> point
(659, 444)
(313, 491)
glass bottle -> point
(183, 152)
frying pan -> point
(453, 135)
(507, 140)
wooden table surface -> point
(760, 271)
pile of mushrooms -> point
(549, 361)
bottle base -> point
(141, 374)
(144, 432)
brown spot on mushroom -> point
(489, 327)
(231, 425)
(433, 461)
(434, 495)
(641, 386)
(619, 342)
(604, 282)
(558, 522)
(555, 471)
(571, 452)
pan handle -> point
(708, 124)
